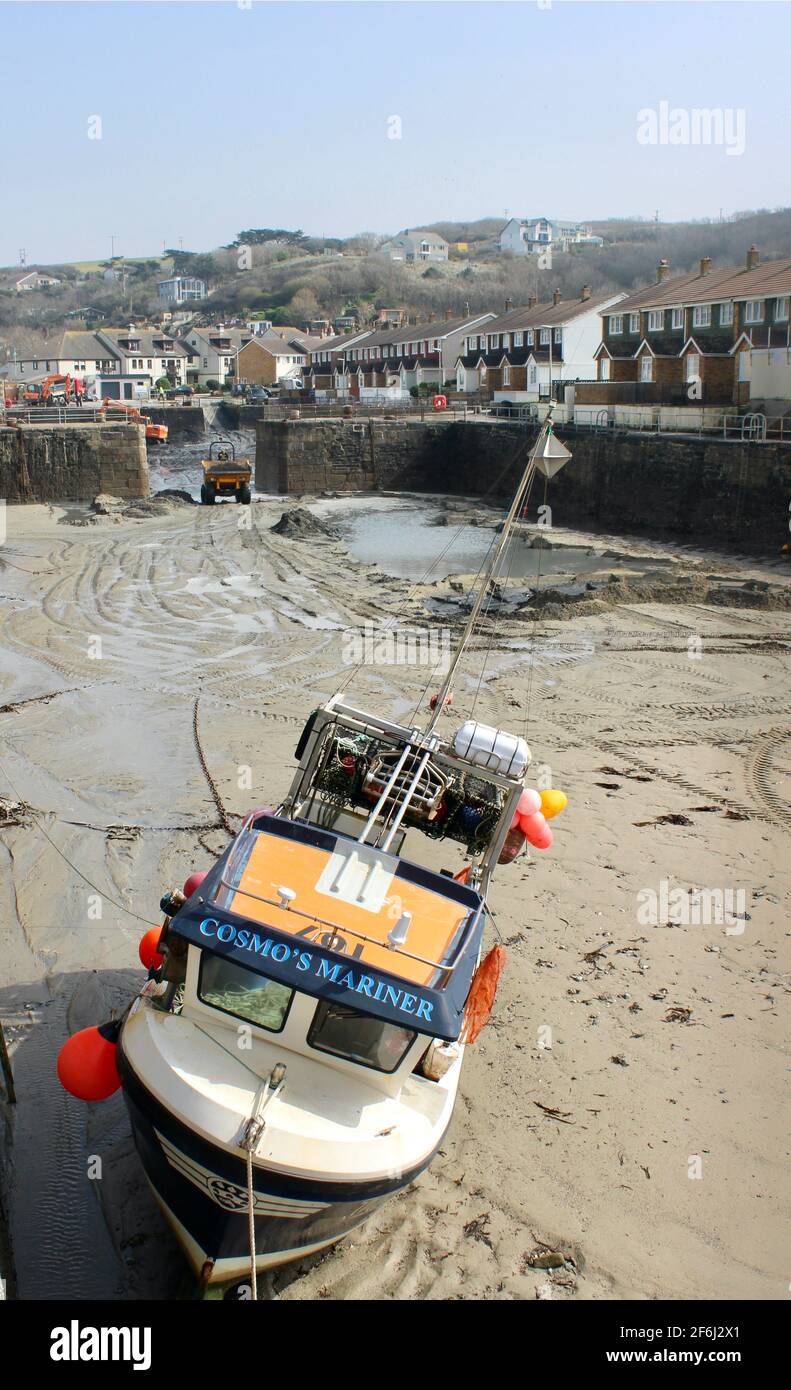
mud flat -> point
(622, 1127)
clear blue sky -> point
(216, 118)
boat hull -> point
(202, 1190)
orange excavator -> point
(43, 393)
(157, 433)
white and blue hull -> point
(202, 1189)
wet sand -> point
(593, 1099)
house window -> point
(677, 319)
(494, 341)
(544, 335)
(616, 323)
(692, 367)
(646, 368)
(726, 314)
(656, 320)
(506, 376)
(754, 311)
(532, 375)
(517, 340)
(149, 364)
(634, 323)
(604, 369)
(558, 336)
(529, 337)
(701, 316)
(781, 308)
(205, 361)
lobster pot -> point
(492, 748)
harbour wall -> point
(183, 421)
(72, 463)
(703, 491)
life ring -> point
(440, 402)
(483, 989)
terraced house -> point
(391, 362)
(708, 337)
(524, 353)
(320, 376)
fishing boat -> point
(293, 1060)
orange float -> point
(87, 1063)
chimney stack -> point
(556, 297)
(586, 292)
(448, 315)
(662, 270)
(705, 265)
(431, 316)
(753, 257)
(532, 301)
(509, 304)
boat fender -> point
(305, 735)
(87, 1065)
(192, 884)
(513, 845)
(148, 950)
(536, 829)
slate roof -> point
(547, 314)
(729, 282)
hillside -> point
(291, 278)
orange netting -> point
(480, 999)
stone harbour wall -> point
(72, 463)
(703, 491)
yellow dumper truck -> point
(224, 475)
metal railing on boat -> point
(338, 931)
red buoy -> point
(193, 883)
(87, 1063)
(148, 949)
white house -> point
(35, 280)
(74, 354)
(214, 351)
(534, 235)
(415, 247)
(146, 355)
(181, 288)
(521, 353)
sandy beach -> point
(622, 1127)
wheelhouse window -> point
(357, 1037)
(241, 993)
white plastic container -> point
(492, 749)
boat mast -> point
(518, 502)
